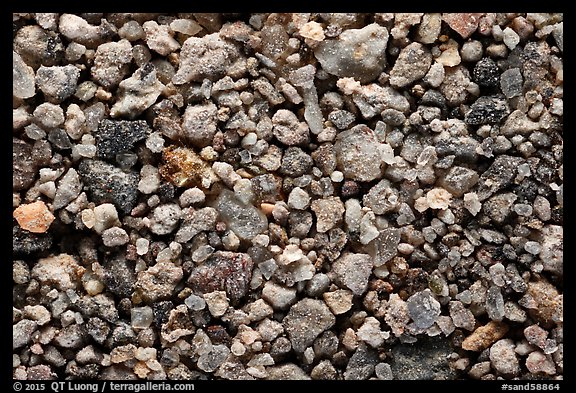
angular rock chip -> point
(356, 53)
(305, 321)
(353, 271)
(245, 220)
(106, 183)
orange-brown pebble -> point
(544, 303)
(267, 208)
(484, 336)
(34, 217)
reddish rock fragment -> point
(462, 23)
(223, 271)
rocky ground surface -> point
(288, 196)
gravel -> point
(266, 196)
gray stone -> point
(141, 317)
(288, 129)
(111, 63)
(137, 93)
(279, 297)
(303, 78)
(317, 285)
(286, 371)
(499, 207)
(195, 222)
(38, 46)
(382, 198)
(305, 321)
(372, 99)
(425, 360)
(552, 252)
(462, 149)
(69, 188)
(454, 79)
(106, 183)
(119, 275)
(265, 88)
(22, 332)
(495, 303)
(72, 336)
(114, 237)
(298, 199)
(386, 245)
(511, 82)
(383, 371)
(118, 136)
(353, 271)
(411, 65)
(358, 154)
(487, 110)
(459, 180)
(518, 123)
(207, 57)
(342, 119)
(461, 316)
(102, 306)
(245, 220)
(499, 175)
(209, 362)
(356, 53)
(57, 83)
(423, 308)
(324, 370)
(362, 363)
(296, 162)
(504, 359)
(558, 34)
(23, 84)
(471, 51)
(49, 116)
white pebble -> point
(237, 348)
(532, 247)
(155, 142)
(405, 248)
(511, 38)
(195, 303)
(249, 140)
(298, 199)
(88, 218)
(472, 203)
(337, 176)
(142, 245)
(191, 196)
